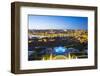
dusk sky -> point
(57, 22)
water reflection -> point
(54, 53)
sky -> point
(57, 22)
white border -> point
(25, 64)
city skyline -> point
(41, 22)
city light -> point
(59, 49)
